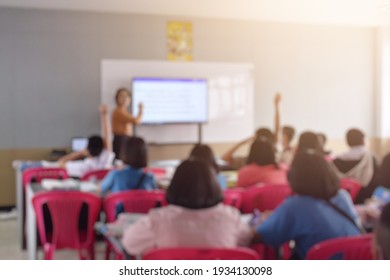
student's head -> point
(194, 186)
(309, 141)
(204, 152)
(123, 97)
(355, 137)
(264, 132)
(311, 175)
(134, 152)
(384, 172)
(95, 145)
(322, 138)
(261, 152)
(288, 133)
(382, 235)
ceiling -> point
(344, 12)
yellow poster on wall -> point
(179, 41)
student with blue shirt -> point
(132, 176)
(204, 152)
(318, 210)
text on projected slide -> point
(168, 100)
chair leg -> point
(48, 251)
(108, 251)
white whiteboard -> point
(230, 97)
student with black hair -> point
(132, 176)
(309, 140)
(381, 244)
(261, 166)
(195, 216)
(204, 152)
(122, 120)
(384, 172)
(238, 162)
(358, 163)
(317, 211)
(97, 155)
(287, 153)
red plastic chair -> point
(38, 174)
(264, 197)
(233, 198)
(65, 208)
(267, 197)
(352, 186)
(345, 248)
(201, 254)
(133, 201)
(95, 175)
(156, 171)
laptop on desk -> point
(78, 144)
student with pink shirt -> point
(261, 166)
(195, 216)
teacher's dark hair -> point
(194, 186)
(204, 152)
(134, 152)
(311, 175)
(119, 92)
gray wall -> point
(50, 67)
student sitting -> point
(381, 244)
(204, 152)
(384, 172)
(359, 164)
(314, 213)
(322, 139)
(132, 176)
(309, 140)
(195, 216)
(261, 166)
(287, 154)
(238, 162)
(98, 154)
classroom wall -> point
(50, 72)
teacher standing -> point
(122, 120)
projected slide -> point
(171, 100)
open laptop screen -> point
(79, 144)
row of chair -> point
(346, 248)
(262, 197)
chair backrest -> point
(133, 201)
(264, 197)
(95, 175)
(201, 254)
(352, 186)
(233, 198)
(38, 174)
(156, 171)
(345, 248)
(65, 208)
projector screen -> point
(170, 100)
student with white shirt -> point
(98, 154)
(358, 163)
